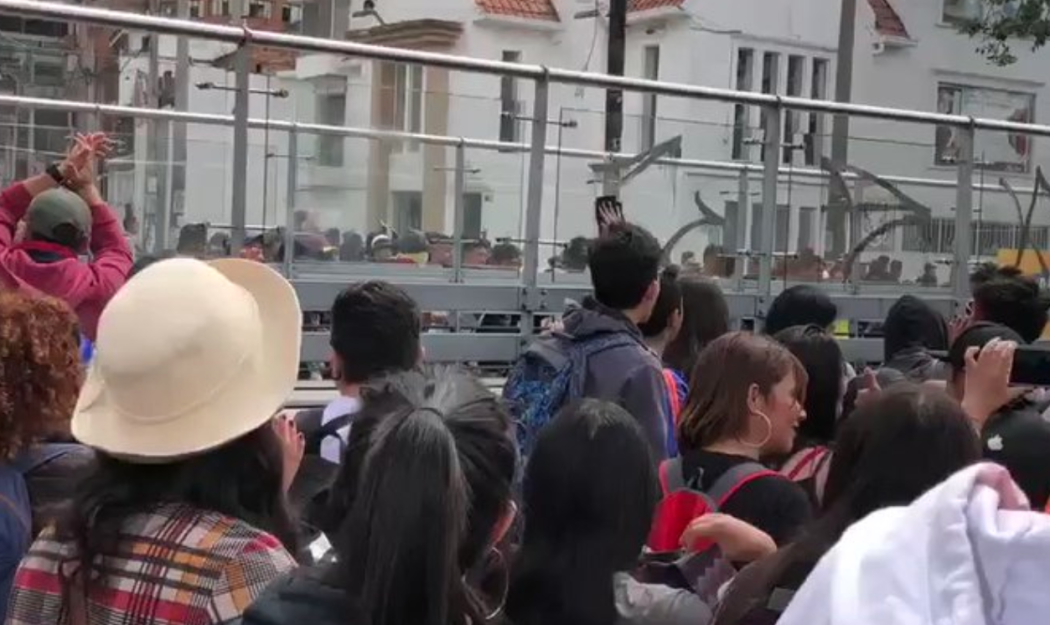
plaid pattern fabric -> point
(176, 565)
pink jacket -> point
(86, 287)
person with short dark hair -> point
(1016, 301)
(912, 330)
(1016, 435)
(65, 217)
(800, 305)
(625, 266)
(375, 332)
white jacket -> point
(969, 552)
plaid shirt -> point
(176, 565)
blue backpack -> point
(550, 374)
(16, 512)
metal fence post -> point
(534, 200)
(739, 242)
(963, 214)
(771, 116)
(239, 204)
(290, 200)
(458, 185)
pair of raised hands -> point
(79, 166)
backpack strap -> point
(672, 476)
(332, 427)
(672, 393)
(736, 478)
(43, 454)
(814, 456)
(582, 350)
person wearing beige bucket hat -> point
(184, 520)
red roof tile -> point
(648, 5)
(887, 21)
(528, 9)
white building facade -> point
(907, 55)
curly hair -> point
(40, 372)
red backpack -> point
(683, 500)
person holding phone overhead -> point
(1013, 431)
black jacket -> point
(301, 598)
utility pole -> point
(614, 97)
(840, 123)
(178, 132)
(156, 154)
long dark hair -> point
(425, 479)
(888, 453)
(822, 359)
(589, 492)
(241, 479)
(705, 317)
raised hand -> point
(293, 446)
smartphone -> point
(1031, 366)
(606, 208)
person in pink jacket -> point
(65, 216)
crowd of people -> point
(646, 465)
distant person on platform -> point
(65, 217)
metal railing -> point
(772, 109)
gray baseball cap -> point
(54, 208)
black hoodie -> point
(301, 598)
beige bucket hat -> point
(189, 356)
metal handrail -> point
(729, 167)
(247, 36)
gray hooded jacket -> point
(630, 376)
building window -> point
(651, 71)
(408, 210)
(331, 111)
(770, 72)
(961, 11)
(745, 60)
(994, 151)
(195, 8)
(509, 106)
(408, 101)
(260, 8)
(795, 69)
(292, 13)
(783, 231)
(472, 215)
(220, 8)
(806, 222)
(818, 90)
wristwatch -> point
(56, 174)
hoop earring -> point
(769, 432)
(506, 585)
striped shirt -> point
(175, 565)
